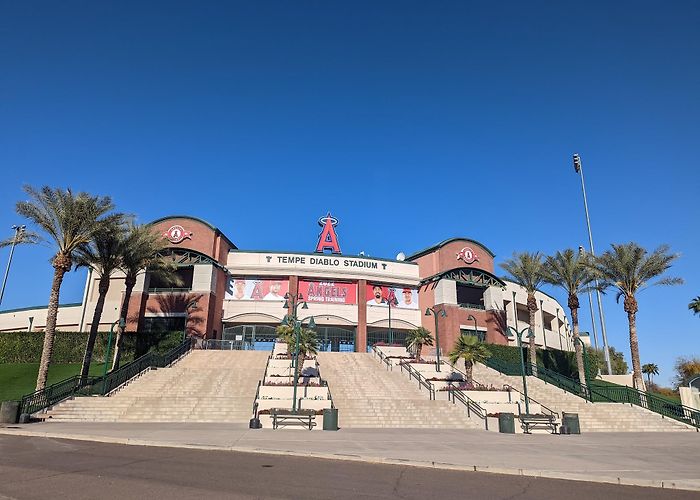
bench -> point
(538, 421)
(285, 416)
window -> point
(164, 324)
(186, 275)
(470, 296)
(477, 333)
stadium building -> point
(232, 296)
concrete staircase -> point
(369, 396)
(205, 386)
(593, 417)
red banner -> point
(328, 292)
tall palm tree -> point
(471, 350)
(103, 255)
(629, 269)
(695, 305)
(567, 271)
(139, 253)
(526, 270)
(650, 369)
(68, 221)
(416, 339)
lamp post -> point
(578, 167)
(431, 311)
(19, 230)
(476, 330)
(292, 302)
(121, 324)
(518, 336)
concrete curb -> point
(536, 473)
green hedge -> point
(69, 347)
(563, 362)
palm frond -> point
(525, 269)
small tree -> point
(308, 343)
(650, 369)
(416, 339)
(617, 360)
(686, 370)
(471, 350)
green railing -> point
(102, 385)
(606, 393)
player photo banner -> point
(328, 292)
(401, 297)
(256, 289)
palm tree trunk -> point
(103, 288)
(532, 309)
(637, 378)
(578, 347)
(468, 366)
(419, 347)
(61, 264)
(130, 283)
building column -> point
(361, 332)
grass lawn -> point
(18, 379)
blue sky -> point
(412, 122)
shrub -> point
(69, 347)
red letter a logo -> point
(328, 240)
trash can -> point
(330, 419)
(506, 423)
(9, 411)
(254, 423)
(570, 423)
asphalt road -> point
(54, 468)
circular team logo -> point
(467, 255)
(177, 233)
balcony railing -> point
(169, 290)
(472, 306)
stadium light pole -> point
(18, 232)
(578, 167)
(431, 311)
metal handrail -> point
(383, 358)
(533, 400)
(422, 381)
(470, 404)
(609, 394)
(102, 385)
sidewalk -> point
(666, 460)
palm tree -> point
(69, 221)
(103, 255)
(630, 269)
(650, 369)
(526, 270)
(308, 343)
(140, 253)
(567, 271)
(695, 305)
(471, 350)
(416, 339)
